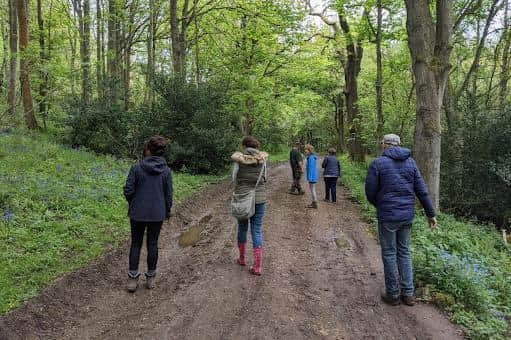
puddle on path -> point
(342, 241)
(193, 234)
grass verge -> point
(60, 208)
(463, 267)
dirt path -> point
(312, 286)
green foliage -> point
(476, 168)
(202, 132)
(60, 208)
(463, 267)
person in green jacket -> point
(248, 166)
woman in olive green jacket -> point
(248, 166)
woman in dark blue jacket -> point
(331, 174)
(148, 191)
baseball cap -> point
(391, 139)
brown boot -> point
(132, 284)
(149, 283)
(408, 300)
(313, 205)
(393, 301)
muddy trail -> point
(322, 275)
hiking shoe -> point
(301, 192)
(393, 301)
(408, 300)
(313, 205)
(132, 284)
(327, 200)
(149, 283)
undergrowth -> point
(463, 267)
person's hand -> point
(433, 224)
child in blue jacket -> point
(312, 174)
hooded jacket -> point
(247, 167)
(148, 190)
(393, 180)
(312, 168)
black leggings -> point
(137, 238)
(330, 188)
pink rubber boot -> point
(241, 259)
(258, 258)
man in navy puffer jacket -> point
(392, 182)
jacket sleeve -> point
(372, 183)
(235, 169)
(168, 191)
(421, 190)
(131, 182)
(323, 164)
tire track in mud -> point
(321, 279)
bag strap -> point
(261, 174)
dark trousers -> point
(137, 238)
(297, 176)
(331, 188)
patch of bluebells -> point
(8, 216)
(97, 170)
(468, 265)
(59, 168)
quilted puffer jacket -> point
(392, 182)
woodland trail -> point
(322, 275)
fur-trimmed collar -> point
(250, 156)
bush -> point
(202, 133)
(476, 167)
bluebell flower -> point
(8, 216)
(59, 168)
(96, 171)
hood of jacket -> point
(397, 153)
(154, 165)
(250, 156)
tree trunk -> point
(354, 53)
(178, 36)
(174, 36)
(379, 77)
(479, 50)
(100, 48)
(197, 50)
(339, 122)
(72, 62)
(43, 86)
(504, 68)
(430, 48)
(351, 72)
(113, 52)
(82, 10)
(26, 91)
(13, 62)
(5, 53)
(151, 53)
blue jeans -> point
(256, 227)
(397, 260)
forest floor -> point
(322, 276)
